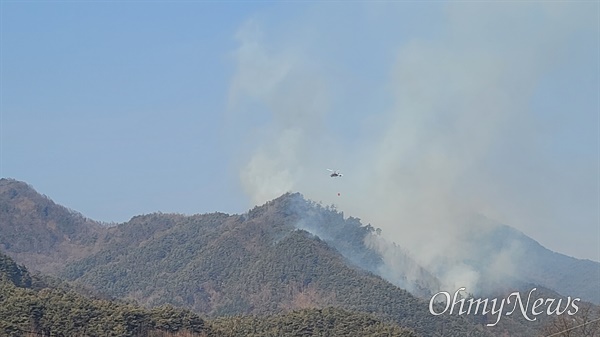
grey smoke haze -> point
(461, 120)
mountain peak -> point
(37, 228)
(14, 187)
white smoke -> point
(294, 95)
(439, 148)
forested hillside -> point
(59, 312)
(257, 263)
(49, 311)
(289, 255)
(308, 322)
(40, 233)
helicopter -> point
(334, 173)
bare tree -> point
(585, 323)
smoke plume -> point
(456, 132)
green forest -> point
(291, 267)
(29, 306)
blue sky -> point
(116, 109)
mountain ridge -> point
(46, 236)
(40, 233)
(288, 254)
(55, 309)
